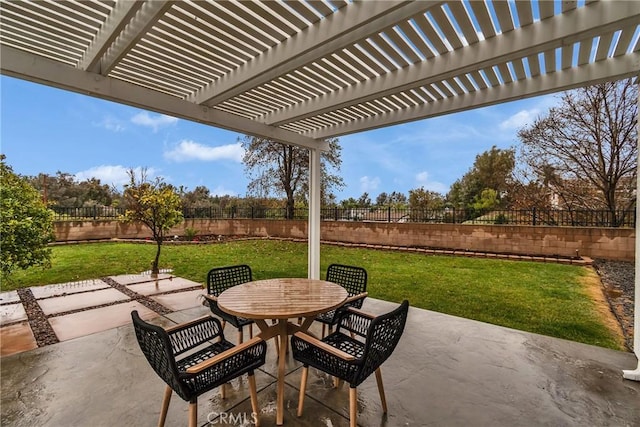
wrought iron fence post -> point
(389, 214)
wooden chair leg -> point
(337, 382)
(223, 391)
(224, 323)
(193, 414)
(303, 387)
(165, 406)
(381, 390)
(254, 398)
(353, 406)
(240, 336)
(324, 330)
(250, 330)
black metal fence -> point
(534, 217)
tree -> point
(63, 190)
(381, 200)
(282, 169)
(155, 204)
(423, 202)
(585, 149)
(364, 201)
(492, 170)
(26, 225)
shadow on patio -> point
(446, 371)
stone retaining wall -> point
(608, 243)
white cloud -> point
(189, 150)
(520, 119)
(144, 119)
(112, 124)
(422, 180)
(221, 191)
(368, 184)
(112, 175)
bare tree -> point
(585, 150)
(283, 170)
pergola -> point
(300, 71)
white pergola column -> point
(635, 374)
(314, 213)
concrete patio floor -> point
(446, 371)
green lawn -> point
(549, 299)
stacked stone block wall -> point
(608, 243)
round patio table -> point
(282, 299)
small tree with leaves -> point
(26, 225)
(155, 204)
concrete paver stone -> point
(180, 300)
(61, 289)
(11, 296)
(12, 313)
(160, 286)
(16, 339)
(79, 301)
(97, 320)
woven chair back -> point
(223, 278)
(156, 347)
(353, 279)
(382, 338)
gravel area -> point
(618, 279)
(42, 330)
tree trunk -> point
(154, 267)
(291, 204)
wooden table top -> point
(282, 298)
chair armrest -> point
(325, 347)
(197, 368)
(357, 297)
(360, 313)
(210, 297)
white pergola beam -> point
(26, 66)
(607, 70)
(315, 184)
(561, 30)
(344, 28)
(122, 13)
(635, 374)
(147, 15)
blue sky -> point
(46, 130)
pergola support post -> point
(314, 213)
(635, 374)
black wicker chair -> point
(194, 357)
(351, 359)
(221, 279)
(354, 280)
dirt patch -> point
(595, 289)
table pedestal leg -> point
(282, 330)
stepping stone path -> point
(39, 316)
